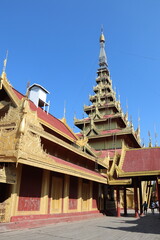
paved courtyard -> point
(108, 228)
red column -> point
(118, 203)
(125, 201)
(140, 198)
(136, 200)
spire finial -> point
(150, 140)
(102, 38)
(101, 28)
(5, 62)
(156, 135)
(27, 90)
(64, 113)
(102, 54)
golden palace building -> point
(47, 171)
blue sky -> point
(55, 43)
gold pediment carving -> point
(8, 140)
(12, 116)
(30, 146)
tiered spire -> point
(106, 125)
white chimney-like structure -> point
(38, 95)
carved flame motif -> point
(30, 143)
(7, 139)
(12, 116)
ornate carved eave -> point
(123, 153)
(113, 166)
(49, 164)
(20, 140)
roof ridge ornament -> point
(5, 62)
(3, 75)
(150, 140)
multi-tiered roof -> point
(106, 126)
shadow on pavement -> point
(146, 224)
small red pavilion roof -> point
(141, 161)
(48, 118)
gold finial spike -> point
(102, 28)
(102, 38)
(64, 114)
(150, 140)
(5, 62)
(27, 91)
(156, 135)
(126, 105)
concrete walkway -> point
(108, 228)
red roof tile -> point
(142, 160)
(18, 94)
(48, 118)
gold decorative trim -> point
(120, 182)
(82, 141)
(140, 173)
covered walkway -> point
(138, 165)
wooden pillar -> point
(15, 192)
(66, 193)
(140, 198)
(45, 192)
(125, 201)
(79, 208)
(90, 195)
(136, 200)
(118, 203)
(100, 206)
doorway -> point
(5, 192)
